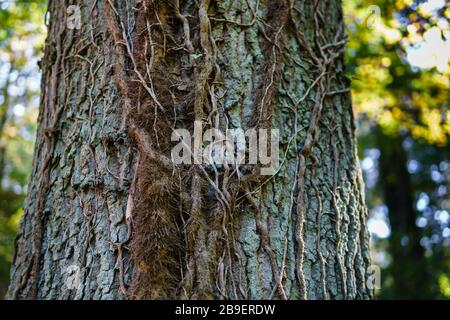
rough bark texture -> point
(104, 196)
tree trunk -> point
(408, 267)
(109, 216)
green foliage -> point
(398, 58)
(8, 230)
(389, 92)
(444, 285)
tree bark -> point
(108, 207)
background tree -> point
(398, 57)
(109, 214)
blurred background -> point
(398, 58)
